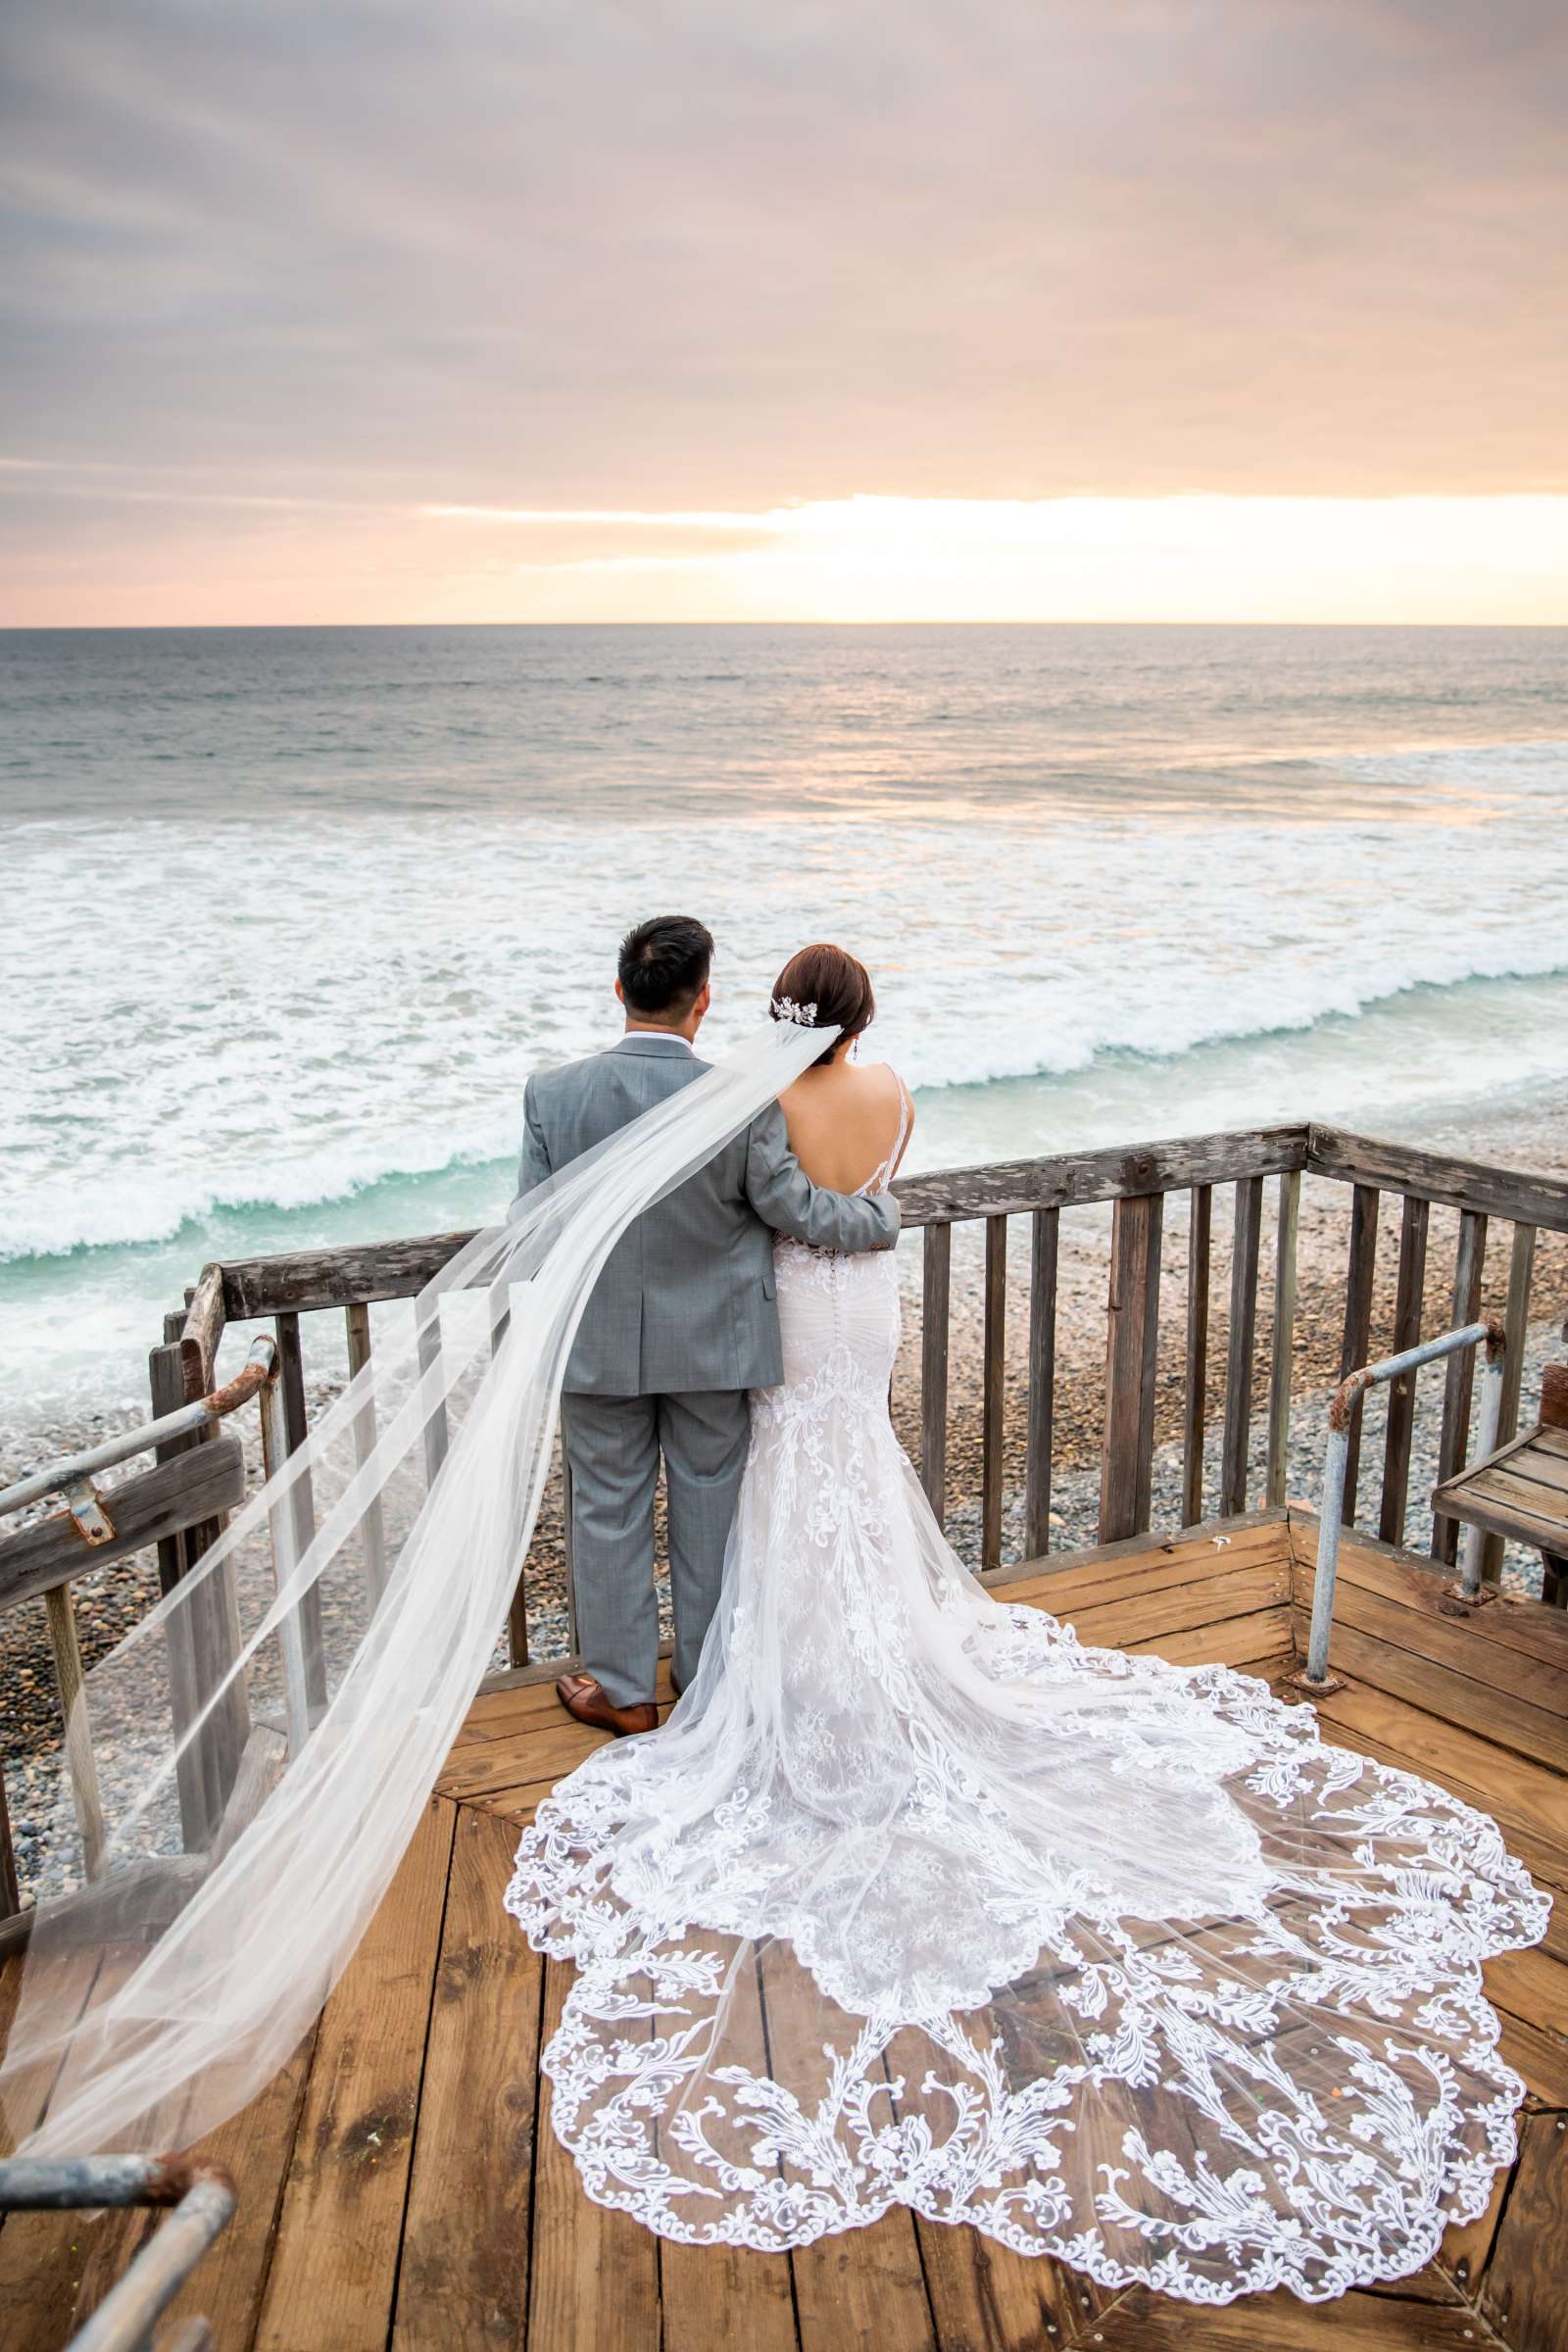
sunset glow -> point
(1105, 558)
(235, 556)
(703, 313)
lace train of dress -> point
(916, 1901)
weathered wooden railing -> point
(1261, 1168)
(1136, 1183)
(179, 1505)
(1480, 1193)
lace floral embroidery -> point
(916, 1900)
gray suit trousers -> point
(612, 1447)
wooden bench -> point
(1521, 1491)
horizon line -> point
(153, 628)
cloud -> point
(614, 518)
(565, 255)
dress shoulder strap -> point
(883, 1173)
(906, 1119)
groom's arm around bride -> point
(682, 1322)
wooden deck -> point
(399, 2185)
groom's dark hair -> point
(664, 965)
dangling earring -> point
(854, 1049)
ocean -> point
(291, 914)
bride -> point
(914, 1900)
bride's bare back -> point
(844, 1122)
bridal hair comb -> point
(785, 1009)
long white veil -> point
(164, 1985)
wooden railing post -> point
(9, 1884)
(1280, 1365)
(283, 1527)
(372, 1531)
(1516, 1327)
(427, 1338)
(935, 1303)
(1240, 1346)
(994, 1392)
(1469, 1264)
(517, 1621)
(301, 1503)
(1408, 1301)
(1131, 1339)
(1355, 1346)
(568, 1553)
(517, 1605)
(204, 1635)
(1199, 1229)
(1046, 1245)
(81, 1767)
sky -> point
(488, 310)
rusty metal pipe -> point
(77, 1468)
(1371, 1376)
(257, 1367)
(203, 2198)
(124, 2320)
(36, 2185)
(29, 2185)
(1488, 1332)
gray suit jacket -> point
(686, 1299)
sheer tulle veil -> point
(207, 1966)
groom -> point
(681, 1323)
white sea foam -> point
(298, 917)
(370, 999)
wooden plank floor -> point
(399, 2185)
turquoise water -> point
(299, 910)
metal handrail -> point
(77, 1469)
(203, 2198)
(1488, 1332)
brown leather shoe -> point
(583, 1700)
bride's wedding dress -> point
(915, 1900)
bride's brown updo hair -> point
(840, 987)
